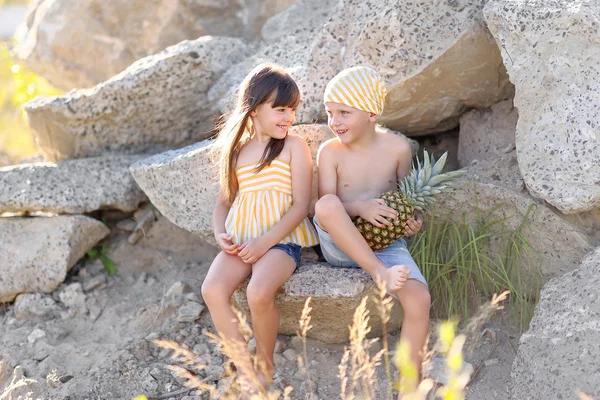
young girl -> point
(260, 219)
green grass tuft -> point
(466, 263)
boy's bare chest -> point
(361, 178)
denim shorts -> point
(395, 254)
(292, 249)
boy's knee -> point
(418, 303)
(326, 205)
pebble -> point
(296, 342)
(193, 297)
(127, 225)
(189, 312)
(290, 354)
(94, 282)
(35, 335)
(279, 360)
(252, 346)
(201, 349)
(177, 289)
(279, 347)
(491, 361)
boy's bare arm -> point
(327, 173)
(404, 159)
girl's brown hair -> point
(265, 83)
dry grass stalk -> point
(244, 379)
(384, 305)
(484, 314)
(305, 326)
(17, 381)
(362, 365)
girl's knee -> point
(212, 293)
(258, 297)
(326, 205)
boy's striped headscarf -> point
(357, 87)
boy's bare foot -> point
(395, 277)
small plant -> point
(458, 262)
(100, 253)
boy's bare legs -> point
(269, 273)
(416, 302)
(332, 217)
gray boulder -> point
(70, 187)
(36, 253)
(335, 293)
(558, 355)
(493, 188)
(157, 103)
(438, 59)
(80, 43)
(551, 52)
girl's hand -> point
(224, 240)
(376, 211)
(413, 225)
(251, 251)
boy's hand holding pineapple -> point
(382, 221)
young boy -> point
(355, 167)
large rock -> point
(80, 43)
(183, 184)
(70, 187)
(288, 42)
(159, 102)
(335, 292)
(552, 51)
(558, 355)
(438, 59)
(493, 188)
(36, 253)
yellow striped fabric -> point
(262, 200)
(358, 87)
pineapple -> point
(415, 193)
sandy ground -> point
(101, 346)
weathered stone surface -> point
(71, 187)
(494, 188)
(558, 355)
(303, 15)
(487, 146)
(335, 292)
(183, 184)
(29, 305)
(552, 51)
(289, 37)
(437, 59)
(159, 102)
(36, 253)
(487, 133)
(80, 43)
(257, 12)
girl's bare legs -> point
(416, 301)
(269, 273)
(224, 276)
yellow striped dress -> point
(262, 200)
